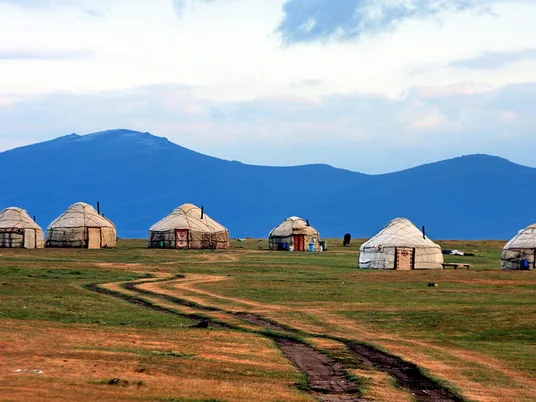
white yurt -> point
(81, 226)
(188, 227)
(18, 230)
(400, 245)
(294, 233)
(520, 252)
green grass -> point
(32, 293)
(482, 310)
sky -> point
(367, 85)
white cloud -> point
(42, 54)
(368, 133)
(495, 60)
(228, 48)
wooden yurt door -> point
(29, 238)
(181, 238)
(299, 242)
(404, 258)
(93, 238)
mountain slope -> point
(139, 178)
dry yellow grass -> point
(78, 362)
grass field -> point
(475, 333)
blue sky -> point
(367, 85)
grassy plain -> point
(475, 332)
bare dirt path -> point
(326, 377)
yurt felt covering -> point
(188, 227)
(18, 230)
(81, 226)
(521, 247)
(400, 245)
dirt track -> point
(327, 379)
(407, 374)
(255, 319)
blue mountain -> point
(139, 178)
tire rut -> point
(94, 287)
(408, 375)
(327, 378)
(262, 322)
(133, 287)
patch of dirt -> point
(327, 379)
(116, 265)
(407, 374)
(255, 319)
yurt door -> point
(299, 242)
(404, 258)
(93, 238)
(29, 238)
(181, 238)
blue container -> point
(284, 246)
(311, 247)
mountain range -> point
(138, 178)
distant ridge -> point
(139, 178)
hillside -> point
(139, 178)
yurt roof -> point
(80, 215)
(188, 217)
(525, 238)
(293, 225)
(14, 217)
(400, 232)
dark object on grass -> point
(200, 324)
(432, 285)
(347, 239)
(118, 381)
